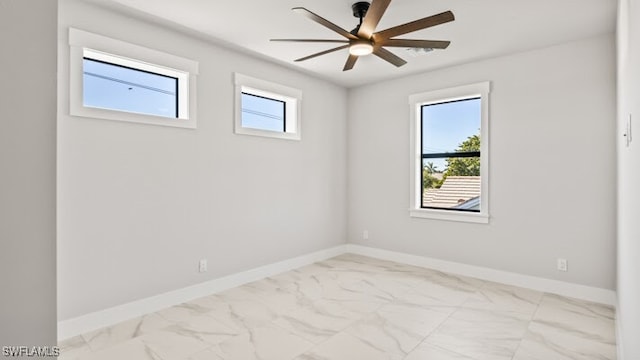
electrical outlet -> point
(203, 265)
(365, 235)
(562, 264)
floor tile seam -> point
(435, 330)
(360, 317)
(415, 346)
(533, 316)
(313, 344)
(523, 336)
(426, 340)
(341, 331)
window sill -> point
(478, 218)
(107, 114)
(267, 133)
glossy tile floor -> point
(356, 308)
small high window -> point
(115, 80)
(449, 172)
(263, 113)
(112, 86)
(266, 109)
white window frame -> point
(290, 96)
(416, 102)
(85, 44)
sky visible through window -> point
(445, 126)
(110, 86)
(262, 113)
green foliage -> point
(455, 166)
(465, 166)
(431, 168)
(428, 180)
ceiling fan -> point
(363, 40)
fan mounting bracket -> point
(360, 9)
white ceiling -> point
(482, 29)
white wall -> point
(628, 179)
(28, 173)
(140, 205)
(552, 165)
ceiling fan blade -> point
(351, 60)
(324, 22)
(312, 40)
(388, 56)
(414, 26)
(322, 53)
(433, 44)
(372, 18)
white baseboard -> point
(619, 342)
(603, 296)
(99, 319)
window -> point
(112, 86)
(108, 83)
(263, 113)
(450, 159)
(266, 109)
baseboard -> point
(96, 320)
(603, 296)
(99, 319)
(619, 342)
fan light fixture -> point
(360, 48)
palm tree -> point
(431, 168)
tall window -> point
(451, 155)
(450, 134)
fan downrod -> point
(359, 10)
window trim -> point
(85, 44)
(416, 101)
(290, 96)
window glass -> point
(263, 113)
(450, 143)
(116, 87)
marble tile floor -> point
(357, 308)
